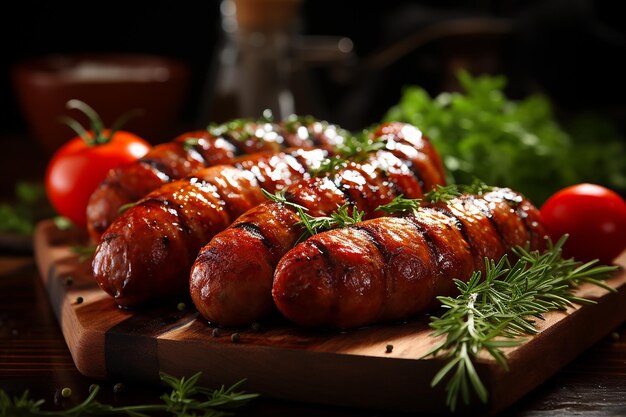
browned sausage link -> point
(408, 143)
(177, 159)
(231, 279)
(156, 240)
(302, 131)
(393, 268)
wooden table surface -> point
(34, 356)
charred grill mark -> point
(237, 144)
(157, 165)
(255, 231)
(323, 250)
(416, 172)
(434, 251)
(485, 211)
(459, 225)
(344, 190)
(373, 237)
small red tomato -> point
(78, 167)
(593, 216)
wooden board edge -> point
(534, 363)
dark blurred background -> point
(572, 50)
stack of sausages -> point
(204, 227)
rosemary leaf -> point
(496, 312)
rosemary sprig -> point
(355, 147)
(185, 399)
(342, 217)
(279, 197)
(477, 186)
(401, 205)
(442, 193)
(496, 312)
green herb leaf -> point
(495, 312)
(186, 399)
(401, 205)
(520, 144)
(344, 216)
(442, 194)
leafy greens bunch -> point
(519, 144)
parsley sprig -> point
(185, 399)
(496, 312)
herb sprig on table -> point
(480, 132)
(28, 207)
(496, 312)
(185, 399)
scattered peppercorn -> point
(181, 306)
(615, 336)
(66, 392)
(119, 387)
(215, 332)
(69, 281)
(79, 300)
(235, 337)
(388, 348)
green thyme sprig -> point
(477, 186)
(185, 399)
(401, 205)
(240, 129)
(442, 194)
(496, 312)
(280, 197)
(356, 147)
(344, 216)
(330, 166)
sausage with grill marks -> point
(146, 253)
(192, 151)
(392, 268)
(231, 279)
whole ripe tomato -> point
(79, 166)
(593, 216)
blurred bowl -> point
(112, 84)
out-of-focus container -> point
(112, 84)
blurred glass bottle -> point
(252, 68)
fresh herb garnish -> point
(355, 147)
(520, 144)
(442, 194)
(401, 205)
(30, 206)
(279, 197)
(495, 312)
(477, 186)
(342, 217)
(330, 166)
(185, 399)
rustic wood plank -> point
(283, 361)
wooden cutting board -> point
(283, 361)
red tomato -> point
(593, 216)
(78, 167)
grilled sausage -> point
(392, 268)
(231, 280)
(192, 151)
(146, 252)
